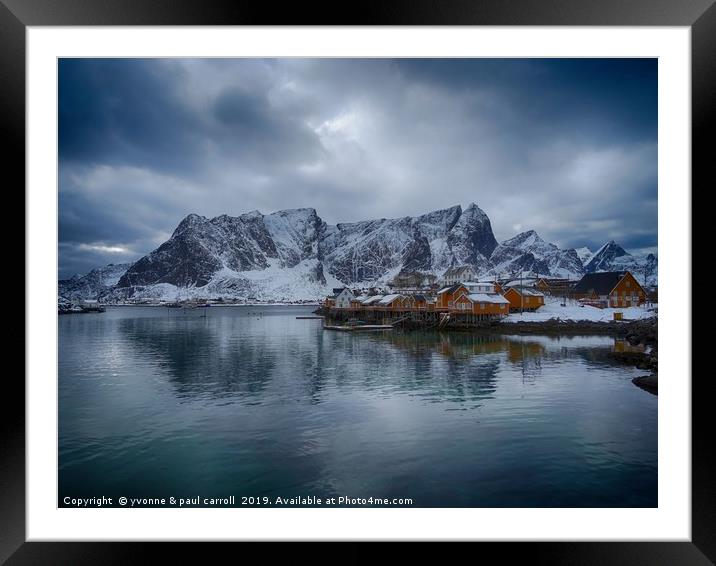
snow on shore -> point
(574, 312)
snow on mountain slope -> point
(612, 257)
(373, 251)
(96, 283)
(584, 254)
(294, 255)
(605, 256)
(528, 252)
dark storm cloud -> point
(120, 111)
(592, 97)
(567, 147)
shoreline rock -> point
(648, 383)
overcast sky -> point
(567, 147)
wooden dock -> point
(309, 317)
(359, 327)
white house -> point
(343, 297)
(480, 287)
(459, 274)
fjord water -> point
(250, 401)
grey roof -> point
(450, 288)
(389, 299)
(601, 283)
(487, 298)
(524, 290)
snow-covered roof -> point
(487, 298)
(527, 291)
(521, 282)
(450, 288)
(389, 299)
(372, 300)
(483, 284)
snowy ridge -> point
(528, 252)
(293, 255)
(612, 257)
(92, 285)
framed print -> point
(392, 281)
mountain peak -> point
(306, 211)
(523, 239)
(605, 258)
(189, 221)
(472, 207)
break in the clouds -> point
(567, 147)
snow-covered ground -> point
(574, 312)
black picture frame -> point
(699, 15)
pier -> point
(359, 327)
(375, 318)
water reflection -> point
(238, 355)
(248, 400)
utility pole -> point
(522, 297)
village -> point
(460, 299)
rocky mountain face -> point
(294, 255)
(585, 254)
(373, 250)
(294, 252)
(528, 252)
(97, 283)
(612, 257)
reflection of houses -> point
(524, 298)
(463, 345)
(610, 288)
(623, 345)
(519, 351)
(458, 274)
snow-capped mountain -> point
(612, 257)
(252, 255)
(528, 252)
(92, 285)
(585, 254)
(376, 250)
(294, 255)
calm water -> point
(249, 401)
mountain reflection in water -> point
(249, 400)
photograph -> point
(357, 282)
